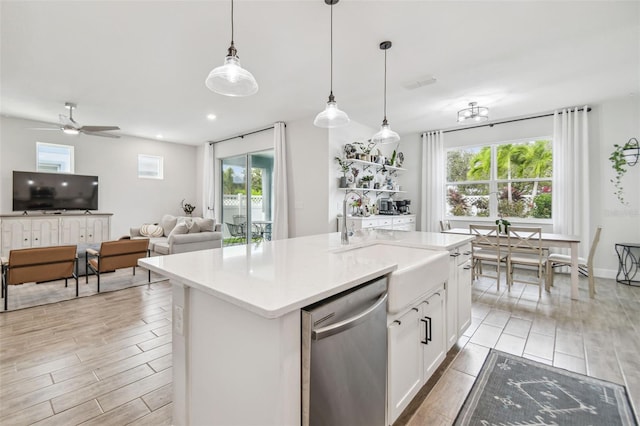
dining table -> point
(550, 240)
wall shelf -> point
(377, 165)
(364, 190)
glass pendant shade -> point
(231, 79)
(385, 135)
(331, 117)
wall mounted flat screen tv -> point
(54, 191)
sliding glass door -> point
(247, 197)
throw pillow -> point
(192, 226)
(179, 229)
(168, 222)
(206, 225)
(151, 230)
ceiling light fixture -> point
(211, 116)
(332, 116)
(231, 79)
(473, 113)
(385, 135)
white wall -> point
(132, 201)
(307, 153)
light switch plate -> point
(178, 320)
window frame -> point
(70, 159)
(159, 166)
(494, 183)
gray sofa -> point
(180, 234)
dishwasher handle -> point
(338, 327)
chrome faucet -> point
(344, 233)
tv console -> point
(40, 229)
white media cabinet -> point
(42, 230)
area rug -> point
(511, 390)
(30, 295)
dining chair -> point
(585, 267)
(445, 225)
(485, 247)
(525, 248)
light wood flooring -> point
(106, 359)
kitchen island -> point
(236, 317)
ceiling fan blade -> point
(104, 135)
(98, 128)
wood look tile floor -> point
(103, 359)
(106, 359)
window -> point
(54, 158)
(150, 167)
(509, 179)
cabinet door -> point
(44, 232)
(432, 325)
(97, 229)
(16, 234)
(464, 297)
(405, 362)
(74, 230)
(452, 303)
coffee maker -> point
(386, 206)
(404, 206)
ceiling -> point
(141, 65)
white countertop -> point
(274, 278)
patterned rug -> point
(511, 390)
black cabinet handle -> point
(427, 330)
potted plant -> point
(365, 180)
(503, 225)
(619, 164)
(366, 149)
(344, 167)
(187, 208)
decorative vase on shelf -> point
(343, 182)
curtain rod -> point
(513, 120)
(242, 135)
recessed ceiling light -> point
(159, 136)
(211, 116)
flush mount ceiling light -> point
(474, 113)
(332, 116)
(385, 135)
(231, 79)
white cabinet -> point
(83, 229)
(396, 223)
(44, 232)
(458, 303)
(47, 230)
(25, 233)
(416, 347)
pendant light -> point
(331, 116)
(385, 135)
(231, 79)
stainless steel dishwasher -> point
(344, 358)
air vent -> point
(423, 81)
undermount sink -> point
(419, 270)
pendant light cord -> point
(385, 85)
(232, 22)
(331, 54)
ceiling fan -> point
(71, 127)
